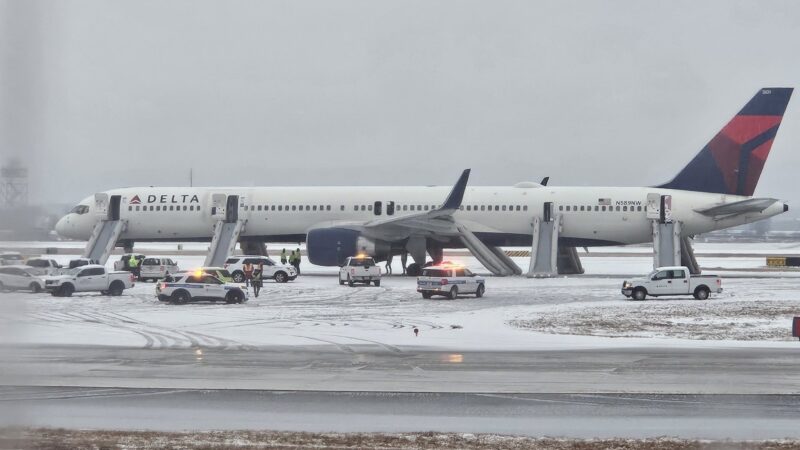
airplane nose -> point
(61, 226)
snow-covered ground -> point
(517, 313)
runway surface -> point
(557, 415)
(363, 368)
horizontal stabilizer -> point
(743, 207)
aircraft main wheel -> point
(453, 293)
(701, 293)
(413, 270)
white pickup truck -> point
(359, 269)
(673, 280)
(90, 278)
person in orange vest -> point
(248, 273)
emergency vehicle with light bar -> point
(360, 269)
(199, 286)
(449, 281)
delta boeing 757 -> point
(714, 191)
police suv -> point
(199, 286)
(449, 281)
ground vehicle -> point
(359, 269)
(222, 274)
(123, 263)
(89, 278)
(672, 280)
(278, 272)
(197, 286)
(43, 266)
(156, 268)
(449, 281)
(80, 262)
(20, 277)
(10, 259)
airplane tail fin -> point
(732, 161)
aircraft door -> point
(114, 207)
(101, 205)
(654, 206)
(218, 204)
(232, 209)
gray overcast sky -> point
(99, 94)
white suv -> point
(450, 282)
(189, 287)
(278, 272)
(156, 268)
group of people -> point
(254, 277)
(294, 259)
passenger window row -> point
(602, 208)
(164, 208)
(287, 207)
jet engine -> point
(331, 246)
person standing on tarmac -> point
(389, 264)
(134, 265)
(283, 257)
(297, 259)
(257, 279)
(248, 273)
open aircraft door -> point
(101, 201)
(218, 206)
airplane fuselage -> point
(591, 216)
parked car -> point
(157, 268)
(672, 280)
(281, 273)
(188, 287)
(10, 259)
(89, 278)
(123, 262)
(80, 262)
(43, 266)
(449, 281)
(359, 269)
(20, 278)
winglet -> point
(457, 194)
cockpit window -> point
(80, 209)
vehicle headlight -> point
(626, 284)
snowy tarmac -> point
(565, 336)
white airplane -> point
(714, 191)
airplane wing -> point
(437, 221)
(750, 205)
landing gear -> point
(414, 270)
